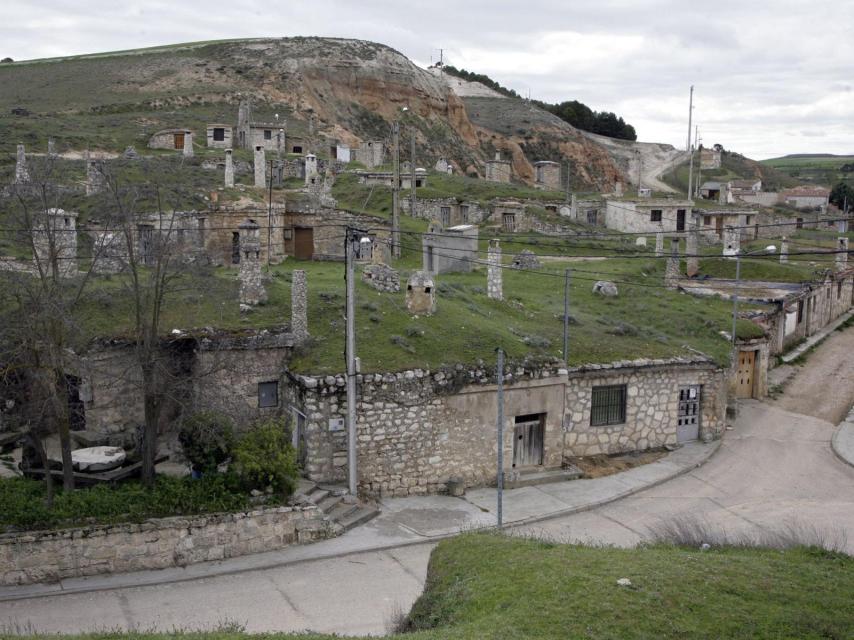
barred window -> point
(608, 405)
(655, 215)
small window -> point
(268, 135)
(747, 220)
(799, 223)
(608, 405)
(218, 134)
(289, 234)
(509, 220)
(707, 221)
(655, 215)
(427, 289)
(268, 394)
(297, 149)
(68, 222)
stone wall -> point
(417, 429)
(459, 212)
(49, 556)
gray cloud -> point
(769, 75)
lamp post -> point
(769, 249)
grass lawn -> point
(490, 586)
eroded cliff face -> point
(349, 90)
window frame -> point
(268, 134)
(613, 412)
(275, 386)
(218, 134)
(656, 215)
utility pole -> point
(690, 147)
(566, 317)
(499, 373)
(412, 173)
(699, 162)
(735, 299)
(395, 190)
(350, 354)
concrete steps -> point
(520, 479)
(342, 509)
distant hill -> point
(734, 166)
(824, 169)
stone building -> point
(449, 211)
(417, 429)
(647, 215)
(386, 178)
(252, 133)
(169, 139)
(547, 175)
(220, 136)
(55, 242)
(807, 197)
(22, 174)
(498, 170)
(710, 159)
(510, 216)
(370, 153)
(588, 210)
(449, 250)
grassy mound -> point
(490, 586)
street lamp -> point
(769, 249)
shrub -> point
(207, 439)
(265, 457)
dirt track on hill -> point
(823, 387)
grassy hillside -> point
(490, 586)
(733, 167)
(826, 170)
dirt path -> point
(823, 387)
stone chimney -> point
(188, 144)
(672, 275)
(692, 247)
(260, 166)
(21, 173)
(784, 251)
(723, 194)
(51, 148)
(618, 189)
(494, 284)
(55, 236)
(252, 289)
(95, 177)
(311, 175)
(299, 305)
(659, 245)
(498, 155)
(732, 241)
(842, 257)
(229, 168)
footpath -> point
(413, 521)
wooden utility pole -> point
(395, 191)
(566, 317)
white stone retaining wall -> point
(49, 556)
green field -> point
(487, 586)
(814, 168)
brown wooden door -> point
(304, 243)
(745, 374)
(528, 440)
(179, 140)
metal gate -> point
(688, 422)
(528, 440)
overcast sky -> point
(771, 77)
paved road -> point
(774, 468)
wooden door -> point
(528, 440)
(680, 219)
(304, 243)
(745, 374)
(179, 140)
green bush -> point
(207, 439)
(265, 457)
(22, 503)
